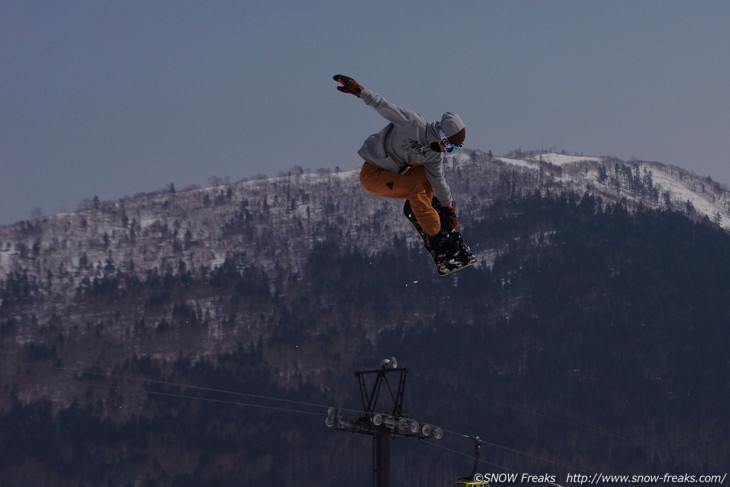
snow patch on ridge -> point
(562, 159)
(680, 186)
(517, 162)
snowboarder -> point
(404, 161)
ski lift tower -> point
(383, 419)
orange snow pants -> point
(412, 186)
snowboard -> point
(445, 262)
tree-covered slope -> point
(595, 341)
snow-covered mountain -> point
(271, 221)
(652, 184)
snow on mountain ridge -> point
(265, 220)
(652, 184)
(274, 221)
(562, 159)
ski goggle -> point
(448, 146)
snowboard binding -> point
(452, 254)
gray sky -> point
(115, 98)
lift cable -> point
(524, 411)
(322, 407)
(467, 455)
(234, 403)
(518, 452)
(322, 412)
(190, 387)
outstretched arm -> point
(389, 111)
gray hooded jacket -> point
(406, 139)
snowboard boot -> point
(445, 242)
